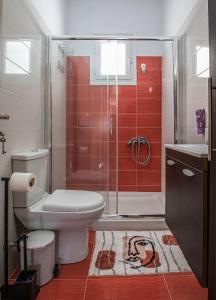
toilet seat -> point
(73, 201)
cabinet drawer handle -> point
(188, 172)
(170, 162)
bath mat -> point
(136, 253)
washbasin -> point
(199, 150)
(195, 147)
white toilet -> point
(68, 212)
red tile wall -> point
(87, 133)
(140, 114)
(91, 150)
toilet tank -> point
(35, 161)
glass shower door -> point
(80, 120)
(105, 93)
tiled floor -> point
(73, 283)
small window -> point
(17, 55)
(113, 60)
(202, 62)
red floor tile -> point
(127, 288)
(92, 237)
(15, 273)
(76, 270)
(63, 290)
(185, 287)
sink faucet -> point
(3, 141)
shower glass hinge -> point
(4, 117)
(3, 141)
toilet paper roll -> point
(22, 182)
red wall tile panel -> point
(90, 147)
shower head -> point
(143, 68)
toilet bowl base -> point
(72, 246)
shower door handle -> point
(111, 125)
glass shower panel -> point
(23, 74)
(142, 110)
(113, 148)
(112, 102)
(80, 119)
(22, 88)
(109, 65)
(194, 50)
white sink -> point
(198, 150)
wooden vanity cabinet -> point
(187, 207)
(172, 196)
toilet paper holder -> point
(12, 291)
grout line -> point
(179, 274)
(167, 287)
(93, 247)
(84, 295)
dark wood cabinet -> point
(212, 146)
(172, 197)
(187, 208)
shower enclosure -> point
(113, 102)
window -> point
(202, 62)
(17, 55)
(113, 60)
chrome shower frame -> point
(174, 40)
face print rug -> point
(136, 253)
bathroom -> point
(118, 97)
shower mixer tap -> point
(140, 140)
(133, 141)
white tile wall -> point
(22, 97)
(194, 90)
(167, 106)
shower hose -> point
(140, 140)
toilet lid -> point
(73, 201)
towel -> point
(200, 120)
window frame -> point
(23, 71)
(198, 49)
(97, 79)
(194, 48)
